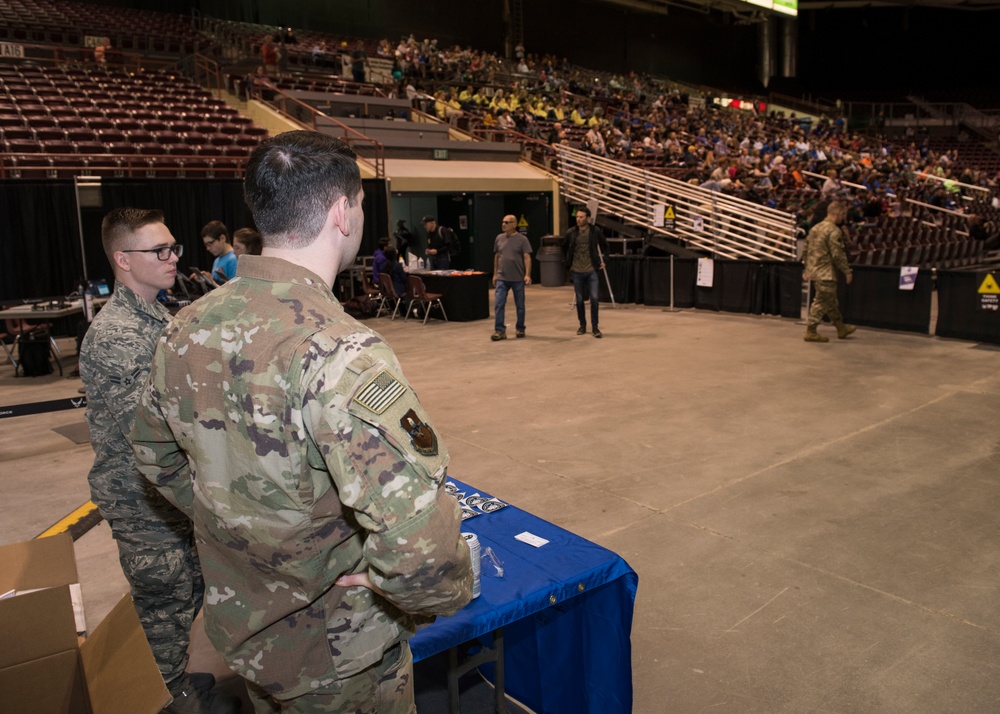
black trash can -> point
(550, 262)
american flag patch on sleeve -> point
(379, 394)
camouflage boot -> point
(843, 329)
(813, 336)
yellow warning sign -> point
(668, 213)
(523, 223)
(989, 286)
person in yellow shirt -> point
(499, 101)
(440, 105)
(577, 117)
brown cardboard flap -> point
(121, 674)
(39, 563)
(36, 625)
(50, 685)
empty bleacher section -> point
(65, 22)
(64, 121)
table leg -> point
(453, 675)
(498, 671)
(486, 654)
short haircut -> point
(584, 209)
(215, 229)
(250, 238)
(293, 179)
(120, 225)
(383, 242)
(836, 207)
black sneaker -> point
(520, 334)
(497, 336)
(188, 699)
(582, 330)
(202, 681)
(597, 333)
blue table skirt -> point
(566, 609)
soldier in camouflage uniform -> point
(155, 542)
(825, 255)
(315, 481)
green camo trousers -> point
(384, 688)
(824, 303)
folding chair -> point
(8, 342)
(388, 295)
(418, 293)
(371, 292)
(22, 330)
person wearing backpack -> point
(442, 244)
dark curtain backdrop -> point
(187, 206)
(39, 239)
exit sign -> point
(441, 154)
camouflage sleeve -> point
(158, 456)
(838, 254)
(389, 466)
(114, 374)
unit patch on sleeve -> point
(379, 394)
(421, 435)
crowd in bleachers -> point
(768, 158)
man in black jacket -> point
(586, 247)
(442, 244)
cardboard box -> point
(45, 666)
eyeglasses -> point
(162, 253)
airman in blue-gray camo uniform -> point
(155, 540)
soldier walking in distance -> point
(287, 430)
(825, 255)
(155, 540)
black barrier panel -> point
(789, 290)
(739, 284)
(755, 287)
(960, 308)
(626, 275)
(685, 278)
(874, 299)
(656, 281)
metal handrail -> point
(924, 175)
(121, 165)
(842, 182)
(207, 72)
(280, 103)
(729, 227)
(61, 55)
(528, 144)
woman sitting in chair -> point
(396, 271)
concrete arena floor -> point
(814, 526)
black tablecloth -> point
(465, 297)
